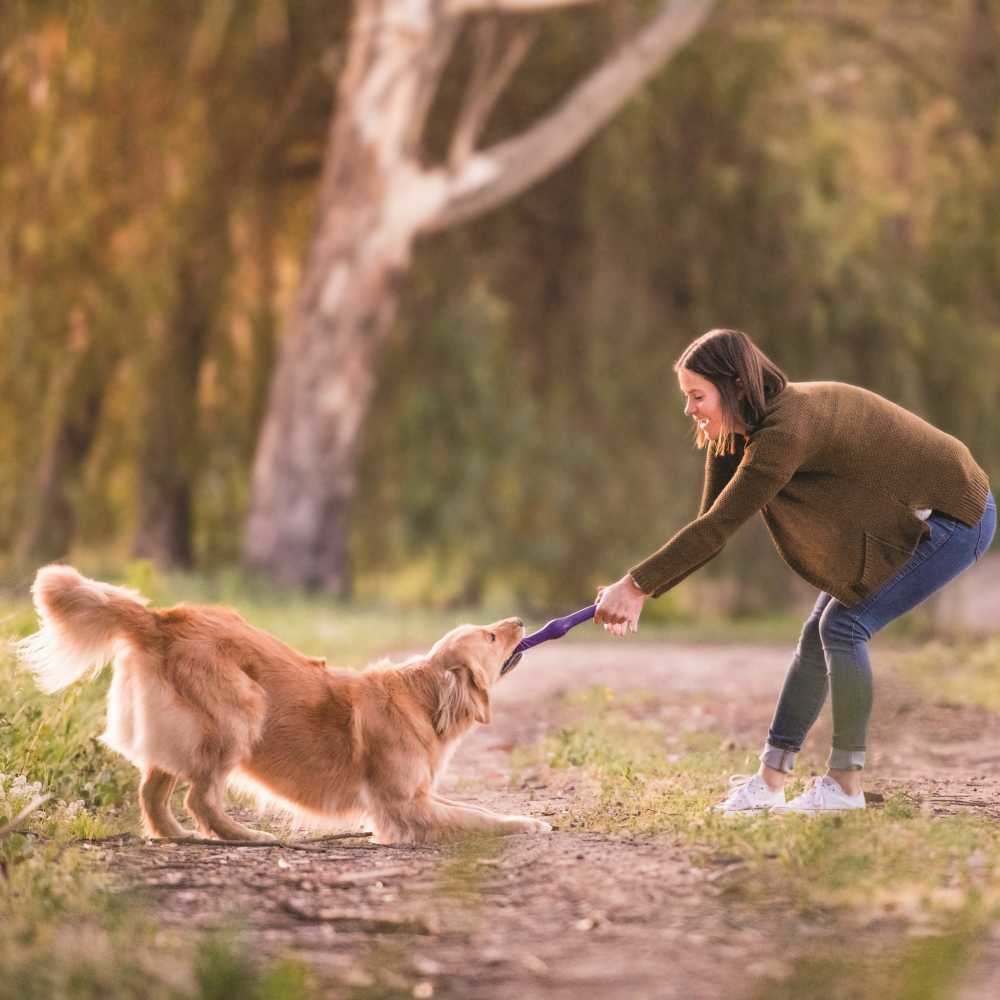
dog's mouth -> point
(512, 661)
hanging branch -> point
(490, 76)
(499, 173)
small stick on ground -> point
(294, 845)
(7, 830)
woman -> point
(866, 501)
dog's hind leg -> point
(154, 800)
(204, 802)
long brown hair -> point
(747, 380)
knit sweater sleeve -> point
(769, 461)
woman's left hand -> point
(619, 606)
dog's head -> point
(469, 659)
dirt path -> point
(568, 914)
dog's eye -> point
(493, 637)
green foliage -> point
(223, 970)
(54, 739)
(836, 197)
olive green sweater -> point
(837, 472)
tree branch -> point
(490, 76)
(430, 71)
(496, 175)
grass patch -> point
(964, 672)
(64, 933)
(925, 968)
(927, 887)
(893, 857)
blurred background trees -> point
(824, 176)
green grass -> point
(62, 933)
(934, 882)
(641, 784)
(964, 672)
(924, 968)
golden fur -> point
(200, 696)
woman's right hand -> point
(619, 606)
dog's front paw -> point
(528, 824)
(260, 837)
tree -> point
(376, 198)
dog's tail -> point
(82, 623)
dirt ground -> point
(569, 914)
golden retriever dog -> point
(200, 696)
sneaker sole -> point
(784, 811)
(731, 813)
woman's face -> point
(702, 402)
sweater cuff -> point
(645, 578)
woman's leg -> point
(949, 549)
(802, 697)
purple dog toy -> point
(554, 629)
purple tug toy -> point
(554, 629)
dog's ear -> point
(480, 694)
(460, 696)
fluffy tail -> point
(82, 622)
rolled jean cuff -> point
(778, 759)
(846, 760)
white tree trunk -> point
(375, 199)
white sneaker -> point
(823, 795)
(749, 795)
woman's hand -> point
(619, 606)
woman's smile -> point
(701, 402)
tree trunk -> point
(370, 211)
(263, 322)
(168, 449)
(376, 197)
(50, 523)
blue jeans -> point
(833, 648)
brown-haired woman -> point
(863, 499)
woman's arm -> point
(769, 461)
